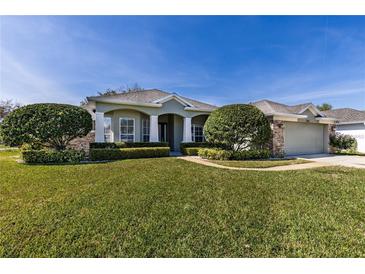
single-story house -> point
(351, 122)
(154, 115)
(149, 116)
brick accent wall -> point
(83, 143)
(331, 131)
(277, 141)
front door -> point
(162, 132)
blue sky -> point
(217, 59)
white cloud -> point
(26, 85)
(329, 92)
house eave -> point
(351, 122)
(325, 119)
(287, 115)
(125, 103)
(198, 109)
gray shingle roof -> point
(147, 96)
(270, 107)
(346, 115)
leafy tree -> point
(110, 92)
(238, 127)
(7, 106)
(51, 125)
(135, 88)
(324, 106)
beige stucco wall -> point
(199, 120)
(115, 115)
(178, 132)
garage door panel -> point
(303, 138)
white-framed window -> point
(107, 129)
(126, 129)
(145, 130)
(197, 133)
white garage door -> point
(303, 138)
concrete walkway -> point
(198, 160)
(342, 160)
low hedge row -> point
(251, 154)
(128, 145)
(101, 154)
(49, 156)
(220, 154)
(185, 146)
(214, 154)
(191, 151)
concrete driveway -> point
(343, 160)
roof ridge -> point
(345, 108)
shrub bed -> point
(191, 151)
(214, 154)
(100, 154)
(343, 142)
(251, 154)
(128, 145)
(220, 154)
(49, 156)
(185, 146)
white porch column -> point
(187, 130)
(99, 127)
(153, 128)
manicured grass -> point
(169, 207)
(4, 147)
(260, 164)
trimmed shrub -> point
(191, 151)
(238, 127)
(101, 154)
(251, 154)
(147, 144)
(343, 142)
(107, 145)
(49, 156)
(128, 145)
(185, 146)
(220, 154)
(52, 125)
(214, 154)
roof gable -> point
(173, 97)
(313, 109)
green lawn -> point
(169, 207)
(4, 147)
(260, 164)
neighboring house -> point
(148, 116)
(157, 116)
(298, 129)
(351, 122)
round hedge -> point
(238, 127)
(52, 125)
